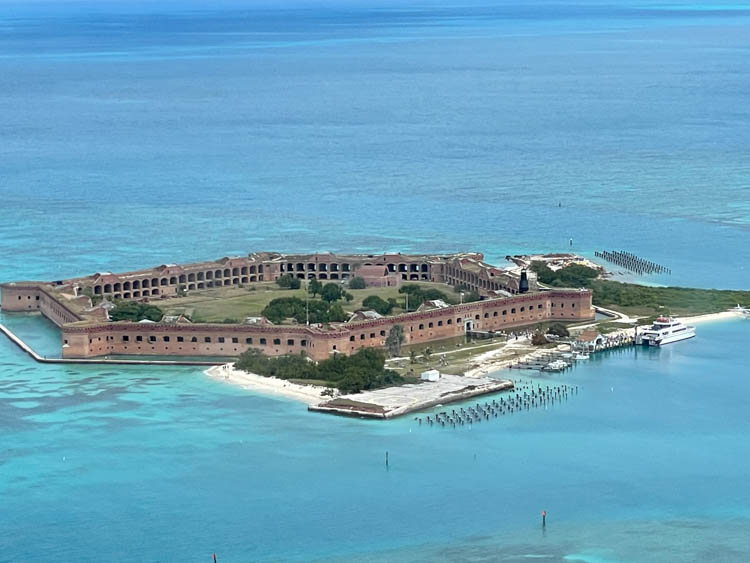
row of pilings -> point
(523, 397)
(631, 262)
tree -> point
(412, 356)
(288, 281)
(394, 340)
(314, 287)
(418, 295)
(357, 282)
(377, 304)
(282, 308)
(133, 311)
(336, 314)
(427, 354)
(348, 296)
(331, 292)
(558, 329)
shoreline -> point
(272, 386)
(492, 361)
(486, 363)
(708, 317)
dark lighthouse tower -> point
(523, 285)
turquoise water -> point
(646, 461)
(146, 133)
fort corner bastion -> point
(509, 298)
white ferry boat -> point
(665, 330)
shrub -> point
(350, 374)
(558, 329)
(357, 283)
(538, 339)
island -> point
(211, 302)
(373, 335)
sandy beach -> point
(308, 394)
(484, 363)
(723, 316)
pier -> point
(559, 360)
(631, 262)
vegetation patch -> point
(418, 294)
(314, 310)
(363, 370)
(288, 281)
(355, 405)
(134, 311)
(641, 299)
(665, 300)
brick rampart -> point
(30, 298)
(318, 342)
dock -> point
(561, 358)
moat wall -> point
(31, 298)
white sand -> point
(486, 362)
(726, 315)
(308, 394)
(500, 358)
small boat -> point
(665, 330)
(582, 356)
(557, 365)
(744, 311)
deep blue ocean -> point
(140, 133)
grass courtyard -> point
(234, 304)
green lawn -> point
(220, 304)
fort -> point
(509, 298)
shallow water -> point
(167, 464)
(175, 134)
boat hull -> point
(667, 339)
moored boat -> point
(665, 330)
